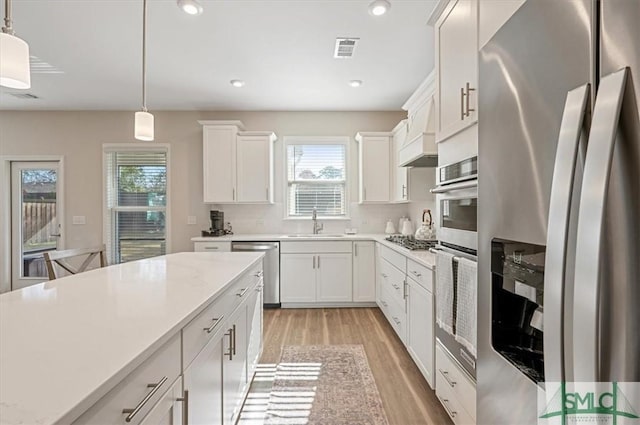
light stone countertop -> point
(425, 258)
(64, 344)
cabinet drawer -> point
(163, 367)
(449, 374)
(395, 314)
(313, 247)
(393, 281)
(221, 246)
(204, 326)
(395, 258)
(451, 403)
(421, 274)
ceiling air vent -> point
(27, 96)
(345, 47)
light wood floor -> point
(406, 396)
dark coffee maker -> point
(217, 224)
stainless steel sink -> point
(311, 235)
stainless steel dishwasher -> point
(271, 268)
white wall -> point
(79, 136)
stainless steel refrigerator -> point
(558, 203)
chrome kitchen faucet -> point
(317, 228)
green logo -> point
(595, 402)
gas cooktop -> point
(412, 243)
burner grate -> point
(412, 243)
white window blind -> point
(136, 204)
(316, 175)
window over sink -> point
(135, 219)
(316, 176)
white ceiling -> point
(282, 49)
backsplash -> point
(269, 218)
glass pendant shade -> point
(14, 62)
(144, 126)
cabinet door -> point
(297, 278)
(334, 277)
(168, 410)
(420, 322)
(400, 174)
(375, 171)
(234, 365)
(457, 57)
(219, 159)
(364, 272)
(253, 169)
(254, 331)
(203, 385)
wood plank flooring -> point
(406, 395)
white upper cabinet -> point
(456, 29)
(237, 164)
(374, 163)
(255, 166)
(400, 175)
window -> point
(136, 199)
(316, 177)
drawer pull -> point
(213, 326)
(211, 247)
(185, 411)
(229, 333)
(406, 292)
(242, 292)
(445, 375)
(416, 273)
(259, 274)
(234, 339)
(395, 319)
(451, 413)
(133, 412)
(395, 286)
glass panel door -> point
(35, 217)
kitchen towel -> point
(444, 291)
(466, 302)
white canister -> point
(407, 228)
(390, 229)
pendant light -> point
(15, 70)
(144, 120)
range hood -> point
(419, 148)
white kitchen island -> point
(87, 347)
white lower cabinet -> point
(169, 409)
(364, 272)
(316, 273)
(254, 329)
(420, 328)
(234, 365)
(203, 385)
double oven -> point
(457, 212)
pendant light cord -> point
(7, 18)
(144, 55)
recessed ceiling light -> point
(191, 7)
(379, 7)
(355, 83)
(237, 83)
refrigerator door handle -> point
(558, 228)
(593, 198)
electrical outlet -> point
(191, 219)
(79, 219)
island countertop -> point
(64, 344)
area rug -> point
(324, 385)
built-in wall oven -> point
(457, 205)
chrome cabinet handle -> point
(355, 247)
(215, 323)
(234, 193)
(267, 194)
(395, 286)
(259, 288)
(445, 403)
(211, 247)
(445, 375)
(406, 292)
(404, 188)
(185, 402)
(133, 412)
(234, 339)
(469, 110)
(230, 352)
(416, 273)
(395, 319)
(259, 274)
(462, 104)
(242, 292)
(314, 261)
